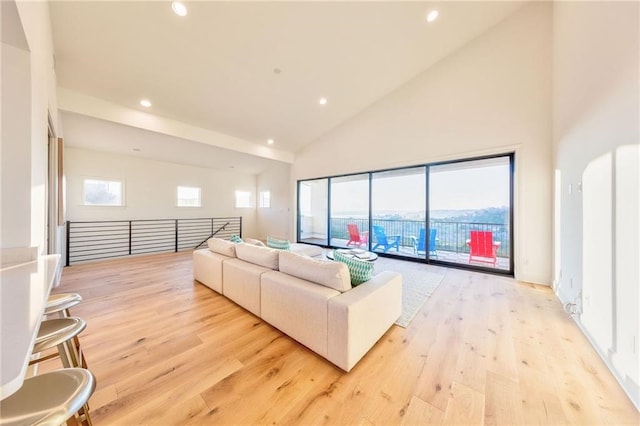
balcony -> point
(451, 237)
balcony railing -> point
(451, 236)
(96, 240)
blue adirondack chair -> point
(383, 240)
(419, 244)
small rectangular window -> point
(243, 199)
(189, 196)
(265, 199)
(98, 192)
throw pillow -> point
(235, 239)
(277, 243)
(360, 270)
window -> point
(243, 199)
(455, 213)
(265, 199)
(99, 192)
(189, 196)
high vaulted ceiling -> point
(255, 70)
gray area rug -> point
(418, 283)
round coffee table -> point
(355, 253)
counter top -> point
(24, 290)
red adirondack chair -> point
(355, 237)
(482, 248)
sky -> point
(450, 189)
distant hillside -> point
(447, 214)
(490, 215)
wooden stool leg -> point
(67, 358)
(83, 361)
(82, 417)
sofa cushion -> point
(262, 256)
(306, 250)
(330, 274)
(277, 243)
(254, 242)
(359, 270)
(297, 308)
(218, 245)
(242, 283)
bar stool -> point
(60, 303)
(60, 332)
(50, 399)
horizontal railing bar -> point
(126, 230)
(113, 240)
(153, 237)
(100, 257)
(194, 225)
(194, 234)
(154, 226)
(97, 244)
(102, 248)
(76, 247)
(123, 252)
(163, 232)
(161, 244)
(171, 249)
(99, 224)
(154, 241)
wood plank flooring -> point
(483, 350)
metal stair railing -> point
(95, 240)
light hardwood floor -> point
(483, 350)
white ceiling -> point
(214, 68)
(81, 131)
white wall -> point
(15, 150)
(274, 221)
(31, 156)
(596, 135)
(491, 96)
(150, 188)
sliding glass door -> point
(313, 211)
(470, 212)
(398, 211)
(350, 211)
(454, 213)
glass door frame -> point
(426, 259)
(510, 272)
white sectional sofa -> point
(310, 300)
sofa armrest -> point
(207, 268)
(359, 317)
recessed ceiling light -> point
(145, 103)
(270, 141)
(322, 101)
(432, 16)
(136, 149)
(179, 8)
